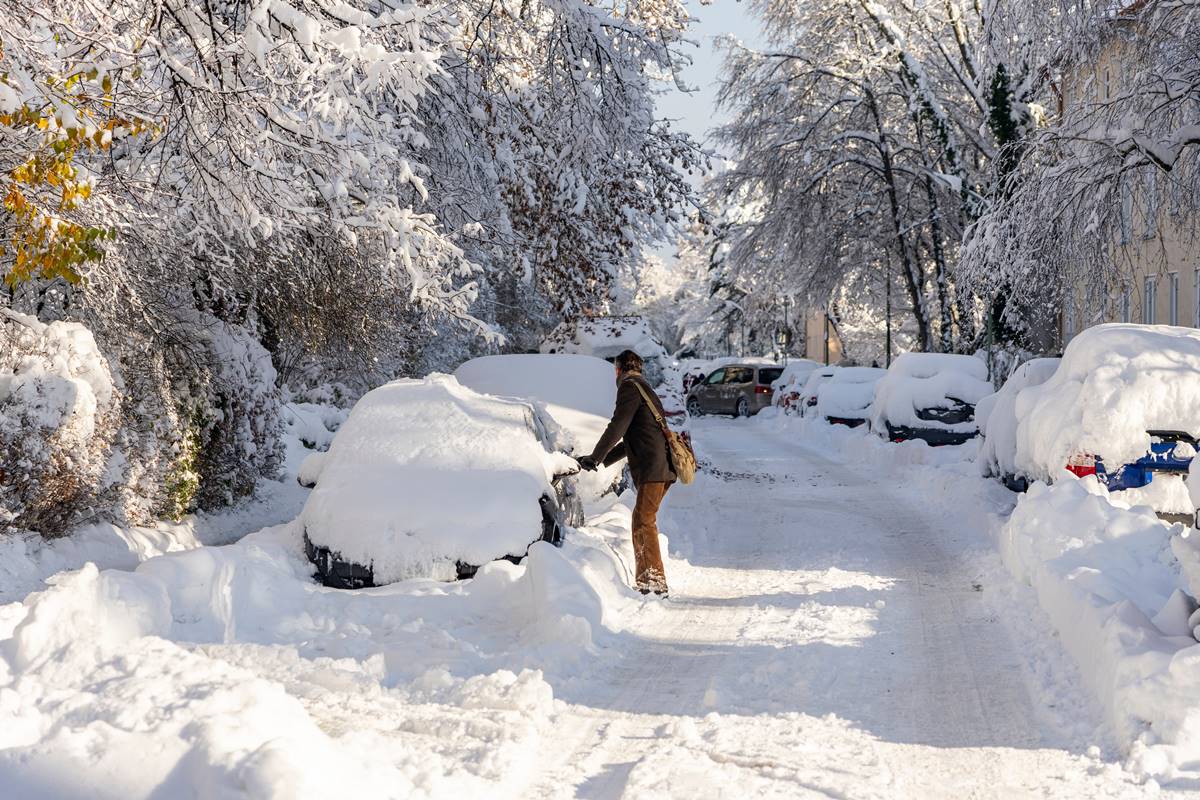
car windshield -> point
(769, 375)
(716, 377)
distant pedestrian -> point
(635, 433)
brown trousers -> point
(651, 575)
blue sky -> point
(696, 111)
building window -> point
(1127, 305)
(1173, 310)
(1196, 293)
(1151, 226)
(1148, 301)
(1126, 212)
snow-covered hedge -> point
(233, 410)
(58, 418)
(119, 429)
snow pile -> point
(605, 337)
(1115, 383)
(919, 381)
(59, 415)
(425, 473)
(229, 672)
(848, 393)
(997, 418)
(1104, 575)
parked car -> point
(807, 397)
(787, 387)
(576, 391)
(429, 479)
(738, 389)
(845, 399)
(1122, 406)
(996, 416)
(931, 397)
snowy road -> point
(827, 636)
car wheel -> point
(552, 514)
(743, 408)
(693, 407)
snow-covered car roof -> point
(604, 337)
(817, 377)
(849, 392)
(795, 373)
(917, 381)
(1115, 383)
(996, 416)
(425, 473)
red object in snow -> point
(1082, 465)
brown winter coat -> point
(633, 433)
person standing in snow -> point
(634, 433)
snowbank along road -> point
(827, 635)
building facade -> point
(1155, 245)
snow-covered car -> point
(1123, 406)
(788, 386)
(606, 338)
(930, 396)
(578, 392)
(996, 416)
(427, 478)
(738, 389)
(845, 399)
(806, 399)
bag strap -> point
(653, 408)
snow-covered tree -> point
(867, 138)
(1121, 150)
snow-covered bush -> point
(1115, 383)
(231, 414)
(921, 381)
(58, 419)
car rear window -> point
(769, 375)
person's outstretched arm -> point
(628, 399)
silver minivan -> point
(738, 389)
